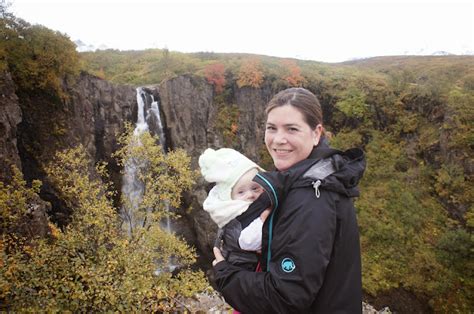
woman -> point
(310, 243)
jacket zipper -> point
(316, 185)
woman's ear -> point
(317, 134)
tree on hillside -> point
(37, 57)
(215, 75)
(250, 73)
(292, 73)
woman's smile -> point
(282, 151)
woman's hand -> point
(218, 255)
(264, 214)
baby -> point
(229, 204)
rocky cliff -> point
(91, 115)
(10, 116)
(36, 125)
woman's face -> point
(289, 139)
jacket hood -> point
(347, 170)
(337, 171)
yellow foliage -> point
(92, 265)
(250, 73)
(405, 238)
(14, 200)
(346, 139)
(37, 57)
(165, 176)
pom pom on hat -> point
(224, 167)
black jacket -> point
(310, 242)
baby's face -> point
(245, 189)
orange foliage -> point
(250, 73)
(234, 128)
(215, 75)
(293, 73)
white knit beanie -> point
(224, 167)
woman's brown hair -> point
(303, 100)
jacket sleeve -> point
(303, 234)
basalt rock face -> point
(186, 110)
(35, 223)
(10, 116)
(190, 114)
(91, 116)
(98, 111)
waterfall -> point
(142, 124)
(153, 118)
(148, 120)
(132, 188)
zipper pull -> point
(316, 185)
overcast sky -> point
(329, 31)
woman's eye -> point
(292, 129)
(270, 127)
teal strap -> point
(270, 227)
(270, 231)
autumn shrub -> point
(347, 138)
(14, 201)
(227, 124)
(460, 122)
(292, 73)
(92, 265)
(264, 158)
(215, 75)
(250, 73)
(37, 57)
(408, 240)
(353, 104)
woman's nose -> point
(279, 138)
